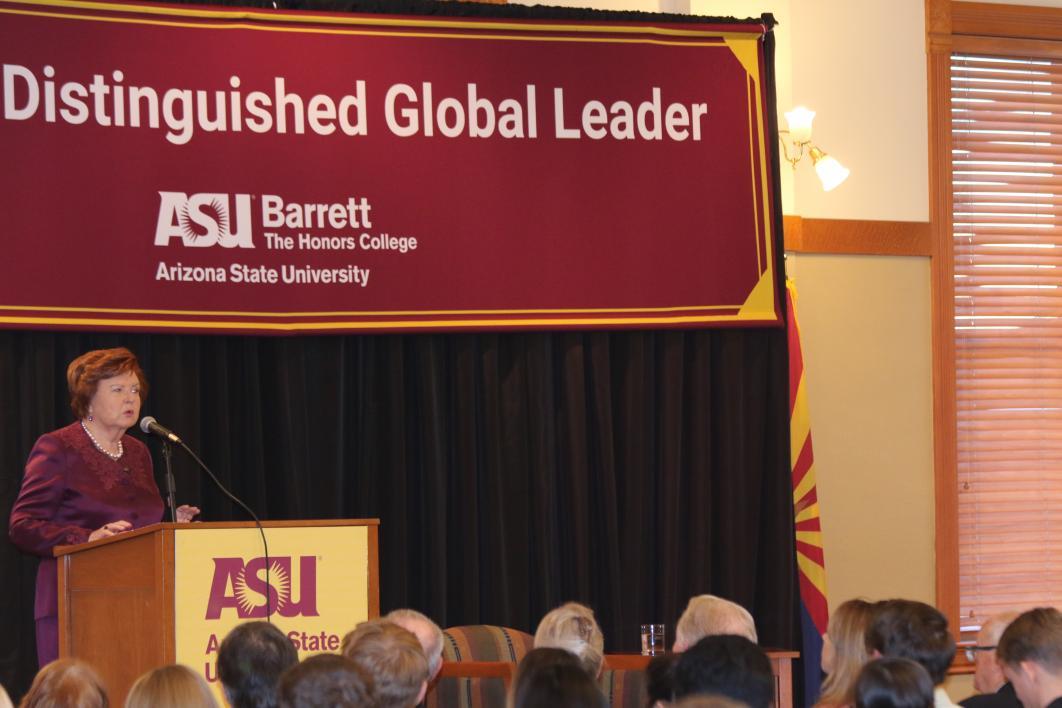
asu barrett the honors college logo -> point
(206, 219)
(248, 588)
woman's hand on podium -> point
(114, 527)
(186, 512)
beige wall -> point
(866, 329)
(861, 64)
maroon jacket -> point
(71, 489)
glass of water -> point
(653, 642)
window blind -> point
(1007, 197)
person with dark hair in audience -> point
(660, 680)
(994, 691)
(250, 661)
(173, 686)
(908, 629)
(1031, 653)
(554, 678)
(325, 681)
(69, 683)
(893, 683)
(427, 633)
(394, 659)
(726, 665)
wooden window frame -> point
(981, 28)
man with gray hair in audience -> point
(427, 633)
(707, 616)
(993, 689)
(1031, 653)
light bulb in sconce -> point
(796, 142)
(799, 122)
(831, 172)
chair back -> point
(477, 646)
(624, 688)
(624, 681)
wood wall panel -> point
(858, 237)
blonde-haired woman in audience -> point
(173, 686)
(572, 627)
(66, 683)
(844, 652)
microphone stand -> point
(171, 485)
(238, 501)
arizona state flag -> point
(814, 612)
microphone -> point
(149, 425)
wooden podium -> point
(168, 593)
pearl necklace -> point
(105, 451)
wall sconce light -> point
(798, 140)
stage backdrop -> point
(196, 169)
(511, 471)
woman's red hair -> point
(84, 374)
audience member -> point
(250, 661)
(660, 679)
(844, 652)
(325, 681)
(913, 630)
(572, 627)
(726, 665)
(427, 633)
(1031, 653)
(708, 615)
(394, 659)
(173, 686)
(554, 678)
(893, 682)
(5, 700)
(66, 683)
(994, 691)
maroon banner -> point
(204, 169)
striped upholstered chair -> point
(624, 682)
(489, 655)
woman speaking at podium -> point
(88, 480)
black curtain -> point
(510, 472)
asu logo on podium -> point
(319, 584)
(202, 220)
(241, 586)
